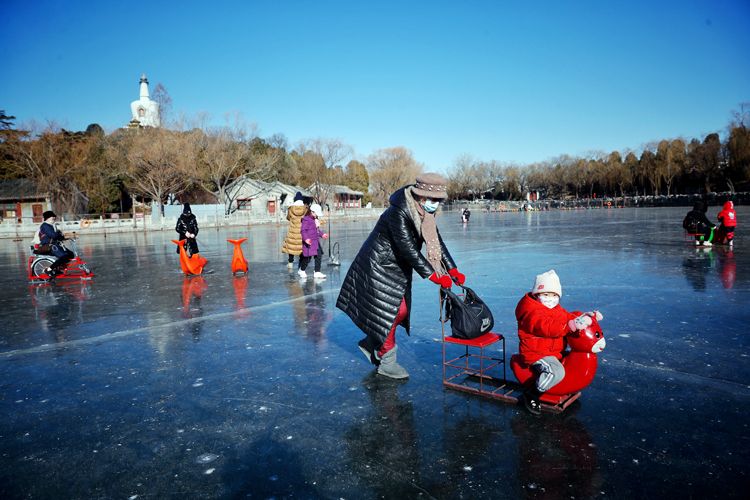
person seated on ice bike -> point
(696, 223)
(50, 243)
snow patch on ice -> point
(206, 458)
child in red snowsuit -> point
(728, 219)
(542, 327)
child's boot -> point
(531, 401)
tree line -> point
(664, 167)
(94, 172)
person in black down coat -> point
(696, 222)
(376, 293)
(187, 228)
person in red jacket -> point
(728, 219)
(542, 327)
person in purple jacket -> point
(311, 246)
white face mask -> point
(549, 302)
(430, 206)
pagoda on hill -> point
(145, 111)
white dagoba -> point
(145, 111)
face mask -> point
(549, 302)
(430, 206)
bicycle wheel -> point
(39, 265)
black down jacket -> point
(696, 221)
(381, 272)
(187, 223)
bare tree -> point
(264, 161)
(162, 98)
(320, 157)
(648, 170)
(56, 160)
(156, 163)
(390, 169)
(460, 177)
(619, 173)
(704, 159)
(221, 159)
(738, 147)
(356, 176)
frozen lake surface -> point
(144, 384)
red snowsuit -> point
(541, 331)
(727, 216)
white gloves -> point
(584, 320)
(596, 314)
(579, 323)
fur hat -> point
(317, 210)
(49, 213)
(431, 185)
(547, 282)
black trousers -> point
(303, 261)
(63, 257)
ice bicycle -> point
(38, 263)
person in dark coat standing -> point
(187, 228)
(376, 293)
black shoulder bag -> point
(469, 315)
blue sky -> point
(508, 81)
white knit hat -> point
(317, 210)
(547, 282)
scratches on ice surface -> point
(171, 324)
(734, 387)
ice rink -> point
(145, 384)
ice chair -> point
(472, 369)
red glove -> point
(459, 277)
(443, 281)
